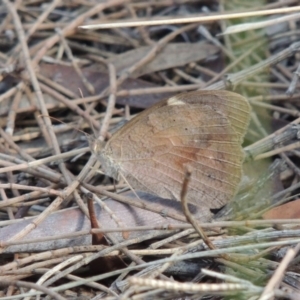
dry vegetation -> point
(100, 78)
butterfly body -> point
(201, 130)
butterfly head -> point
(96, 145)
(103, 153)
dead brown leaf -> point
(71, 220)
(290, 210)
(173, 55)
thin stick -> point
(187, 213)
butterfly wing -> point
(232, 105)
(183, 132)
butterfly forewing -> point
(232, 105)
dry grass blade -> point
(191, 19)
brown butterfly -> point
(202, 130)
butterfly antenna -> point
(62, 122)
(115, 188)
(131, 188)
